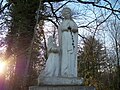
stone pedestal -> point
(61, 87)
(59, 81)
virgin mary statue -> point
(68, 39)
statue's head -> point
(51, 41)
(66, 13)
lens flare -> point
(2, 67)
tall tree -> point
(20, 35)
(113, 27)
(92, 59)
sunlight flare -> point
(2, 67)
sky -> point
(83, 14)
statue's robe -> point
(68, 43)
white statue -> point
(68, 39)
(61, 66)
(52, 64)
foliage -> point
(19, 37)
(26, 42)
(92, 61)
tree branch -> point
(93, 3)
(52, 22)
(61, 6)
(52, 9)
(1, 3)
(5, 6)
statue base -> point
(59, 81)
(61, 87)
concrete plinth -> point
(59, 81)
(61, 87)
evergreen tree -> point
(92, 59)
(19, 37)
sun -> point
(2, 67)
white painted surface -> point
(61, 66)
(52, 64)
(68, 39)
